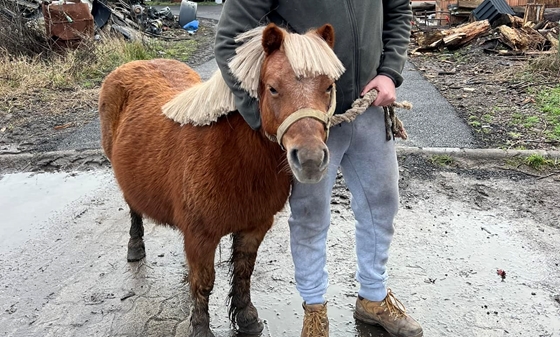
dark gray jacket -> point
(371, 38)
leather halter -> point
(308, 113)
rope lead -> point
(394, 127)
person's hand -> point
(386, 92)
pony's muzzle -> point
(309, 165)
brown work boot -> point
(315, 321)
(390, 314)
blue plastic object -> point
(191, 27)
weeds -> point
(538, 162)
(442, 160)
(548, 101)
(78, 73)
(20, 36)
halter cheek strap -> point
(308, 113)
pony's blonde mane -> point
(308, 54)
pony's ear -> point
(272, 38)
(327, 33)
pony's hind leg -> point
(136, 248)
(244, 253)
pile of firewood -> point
(509, 35)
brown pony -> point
(210, 181)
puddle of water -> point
(28, 200)
(285, 316)
(282, 314)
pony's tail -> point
(112, 98)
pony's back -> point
(134, 81)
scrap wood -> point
(521, 55)
(458, 37)
(512, 38)
(426, 39)
(508, 20)
(63, 126)
(455, 37)
(536, 40)
(553, 41)
(534, 12)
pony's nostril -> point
(325, 161)
(294, 158)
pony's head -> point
(295, 88)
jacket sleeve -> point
(397, 19)
(239, 16)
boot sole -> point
(370, 321)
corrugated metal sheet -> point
(491, 10)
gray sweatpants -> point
(369, 165)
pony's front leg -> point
(244, 253)
(200, 251)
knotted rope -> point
(394, 128)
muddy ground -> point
(64, 273)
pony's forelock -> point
(308, 54)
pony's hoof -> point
(136, 250)
(201, 332)
(254, 327)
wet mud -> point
(69, 276)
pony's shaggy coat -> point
(210, 181)
(309, 56)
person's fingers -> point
(384, 98)
(371, 85)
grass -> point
(474, 122)
(178, 50)
(78, 73)
(74, 68)
(548, 101)
(442, 160)
(538, 162)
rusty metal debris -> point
(69, 21)
(67, 24)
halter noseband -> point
(308, 113)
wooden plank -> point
(553, 41)
(469, 3)
(534, 13)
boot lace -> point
(395, 307)
(313, 323)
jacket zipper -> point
(356, 47)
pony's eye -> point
(329, 89)
(273, 91)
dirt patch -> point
(30, 125)
(490, 94)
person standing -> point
(372, 38)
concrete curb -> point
(54, 161)
(475, 154)
(95, 158)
